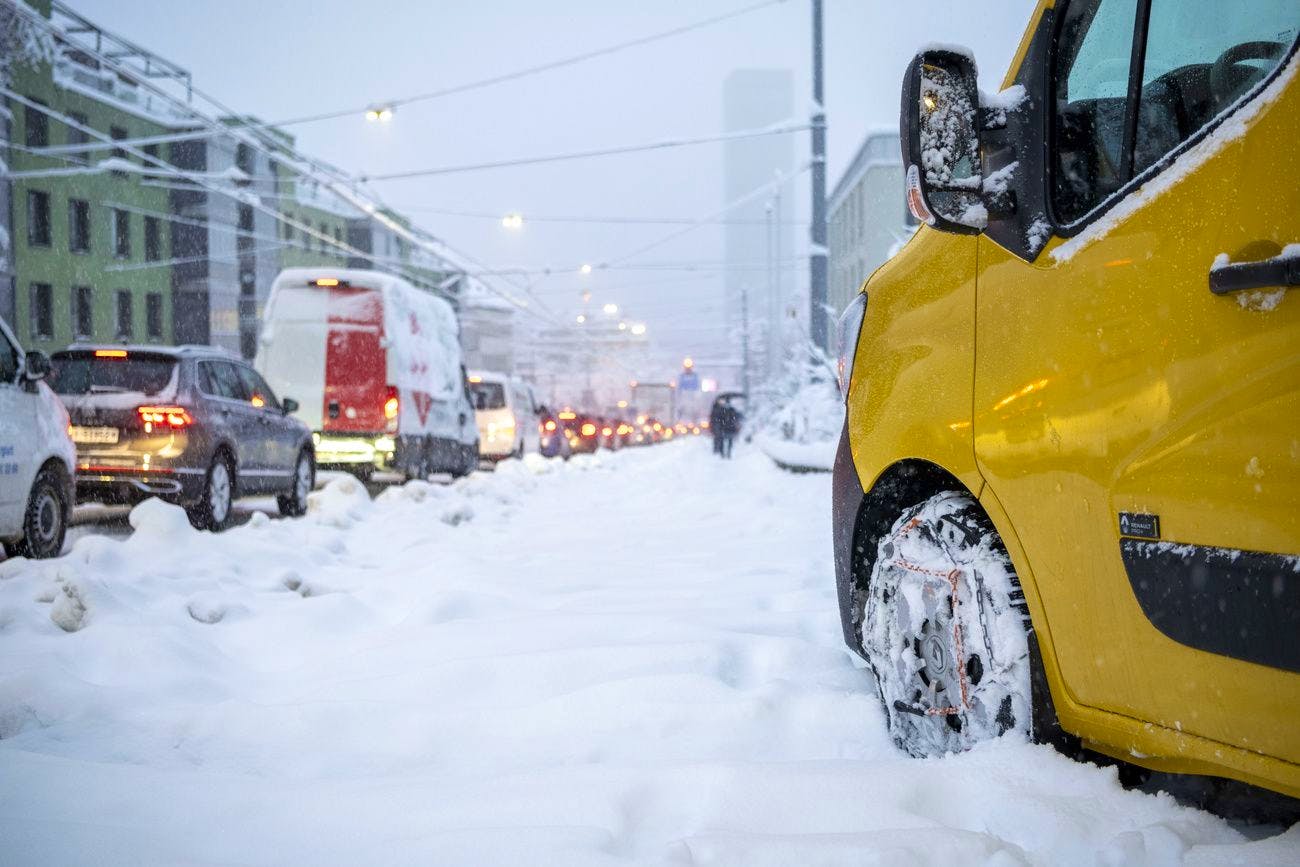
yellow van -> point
(1067, 497)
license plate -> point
(94, 434)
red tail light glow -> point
(589, 430)
(164, 416)
(550, 425)
(607, 431)
(391, 406)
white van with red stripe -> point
(376, 366)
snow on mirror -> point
(948, 146)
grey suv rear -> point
(193, 425)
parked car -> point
(377, 366)
(36, 455)
(1067, 497)
(552, 441)
(193, 425)
(506, 415)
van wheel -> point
(946, 630)
(45, 523)
(216, 508)
(294, 503)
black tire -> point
(294, 503)
(45, 523)
(215, 510)
(946, 630)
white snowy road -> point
(629, 660)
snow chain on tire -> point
(946, 630)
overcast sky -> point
(285, 58)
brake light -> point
(568, 415)
(110, 353)
(607, 431)
(589, 430)
(173, 417)
(327, 282)
(391, 406)
(550, 425)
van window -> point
(81, 372)
(1094, 53)
(1200, 59)
(8, 360)
(487, 395)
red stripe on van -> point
(356, 364)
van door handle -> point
(1283, 271)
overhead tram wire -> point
(530, 70)
(776, 129)
(593, 219)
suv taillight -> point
(172, 417)
(391, 406)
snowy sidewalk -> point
(629, 659)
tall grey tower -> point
(759, 231)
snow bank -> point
(631, 659)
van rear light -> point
(172, 417)
(391, 406)
(110, 353)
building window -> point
(288, 227)
(324, 238)
(245, 218)
(37, 123)
(152, 239)
(83, 312)
(152, 158)
(125, 325)
(244, 159)
(78, 137)
(78, 225)
(42, 312)
(38, 218)
(118, 133)
(121, 234)
(153, 315)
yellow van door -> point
(1142, 432)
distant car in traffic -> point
(36, 455)
(193, 425)
(552, 441)
(377, 366)
(506, 416)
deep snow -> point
(627, 659)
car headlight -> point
(847, 330)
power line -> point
(595, 219)
(530, 70)
(780, 129)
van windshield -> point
(88, 373)
(488, 395)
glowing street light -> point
(582, 317)
(512, 221)
(379, 114)
(688, 363)
(611, 308)
(622, 326)
(586, 268)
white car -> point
(36, 455)
(506, 414)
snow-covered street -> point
(627, 659)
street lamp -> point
(582, 317)
(379, 113)
(622, 326)
(611, 308)
(586, 268)
(513, 221)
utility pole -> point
(817, 262)
(744, 341)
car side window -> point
(259, 393)
(1093, 55)
(8, 361)
(1199, 60)
(225, 382)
